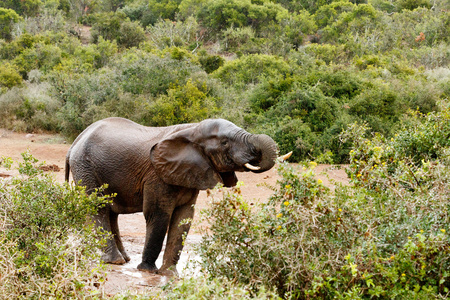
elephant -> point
(159, 171)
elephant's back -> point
(112, 140)
(115, 131)
(116, 143)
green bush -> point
(93, 56)
(368, 60)
(210, 63)
(380, 107)
(424, 137)
(291, 134)
(274, 245)
(107, 25)
(49, 18)
(434, 57)
(182, 104)
(337, 83)
(82, 96)
(41, 56)
(235, 38)
(164, 9)
(12, 49)
(287, 101)
(327, 14)
(9, 77)
(47, 248)
(148, 73)
(166, 33)
(131, 34)
(292, 31)
(441, 78)
(411, 5)
(139, 11)
(325, 53)
(7, 19)
(126, 88)
(349, 20)
(202, 287)
(409, 30)
(220, 15)
(268, 93)
(383, 236)
(29, 109)
(251, 69)
(23, 7)
(178, 53)
(310, 6)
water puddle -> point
(128, 277)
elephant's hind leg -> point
(111, 253)
(105, 219)
(113, 217)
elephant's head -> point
(210, 152)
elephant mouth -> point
(228, 178)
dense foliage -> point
(300, 71)
(48, 248)
(385, 236)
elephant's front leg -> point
(156, 227)
(157, 207)
(175, 236)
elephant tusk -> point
(285, 157)
(253, 168)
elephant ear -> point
(180, 162)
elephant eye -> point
(224, 142)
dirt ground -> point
(52, 150)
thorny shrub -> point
(384, 235)
(47, 247)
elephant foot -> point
(169, 272)
(146, 267)
(125, 256)
(115, 259)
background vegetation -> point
(300, 71)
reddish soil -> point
(52, 149)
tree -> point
(221, 14)
(9, 77)
(7, 18)
(23, 7)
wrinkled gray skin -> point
(159, 171)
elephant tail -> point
(67, 168)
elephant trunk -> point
(268, 148)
